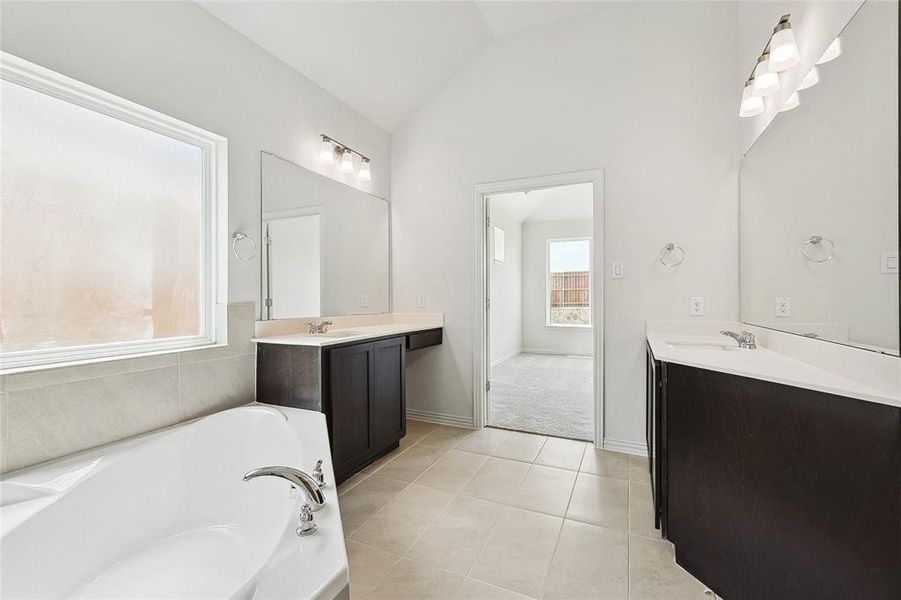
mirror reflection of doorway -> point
(293, 265)
(540, 333)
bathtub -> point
(167, 515)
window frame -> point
(214, 217)
(547, 283)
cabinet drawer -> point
(424, 339)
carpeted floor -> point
(543, 393)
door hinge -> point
(487, 222)
(487, 304)
(268, 302)
(487, 386)
(267, 240)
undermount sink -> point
(338, 334)
(702, 344)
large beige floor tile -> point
(417, 427)
(368, 568)
(545, 489)
(477, 590)
(350, 482)
(483, 441)
(454, 540)
(382, 461)
(589, 563)
(602, 501)
(605, 463)
(365, 499)
(446, 437)
(653, 575)
(520, 446)
(638, 469)
(400, 522)
(563, 454)
(412, 463)
(518, 554)
(641, 511)
(410, 580)
(453, 470)
(497, 480)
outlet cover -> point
(889, 263)
(783, 307)
(420, 300)
(697, 306)
(616, 270)
(364, 301)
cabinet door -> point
(349, 392)
(387, 411)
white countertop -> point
(344, 335)
(710, 350)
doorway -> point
(539, 338)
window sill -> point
(564, 326)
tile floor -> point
(544, 393)
(493, 514)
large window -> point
(569, 283)
(108, 224)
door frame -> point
(481, 357)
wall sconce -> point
(784, 52)
(330, 148)
(781, 53)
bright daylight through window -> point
(569, 282)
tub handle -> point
(317, 474)
(307, 526)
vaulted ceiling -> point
(384, 59)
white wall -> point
(506, 283)
(628, 89)
(536, 335)
(178, 59)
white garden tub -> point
(167, 515)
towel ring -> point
(239, 236)
(815, 241)
(671, 255)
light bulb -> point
(783, 48)
(810, 80)
(347, 161)
(751, 105)
(765, 81)
(326, 151)
(365, 174)
(833, 51)
(792, 102)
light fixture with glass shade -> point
(365, 174)
(326, 151)
(347, 161)
(810, 80)
(783, 49)
(832, 52)
(765, 82)
(792, 102)
(751, 105)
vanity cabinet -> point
(774, 491)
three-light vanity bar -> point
(332, 148)
(780, 54)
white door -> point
(295, 264)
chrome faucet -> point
(745, 339)
(321, 327)
(309, 489)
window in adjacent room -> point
(569, 282)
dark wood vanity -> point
(770, 491)
(359, 386)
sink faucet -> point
(321, 327)
(299, 480)
(745, 339)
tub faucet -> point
(309, 489)
(745, 339)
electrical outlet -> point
(697, 306)
(364, 301)
(783, 307)
(889, 263)
(616, 270)
(420, 300)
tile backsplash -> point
(50, 413)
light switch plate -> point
(420, 300)
(783, 307)
(364, 301)
(697, 306)
(889, 263)
(616, 270)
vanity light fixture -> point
(751, 105)
(832, 52)
(766, 81)
(365, 174)
(810, 80)
(792, 102)
(332, 148)
(784, 52)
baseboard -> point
(554, 352)
(439, 418)
(516, 352)
(625, 446)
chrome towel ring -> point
(671, 255)
(818, 242)
(239, 236)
